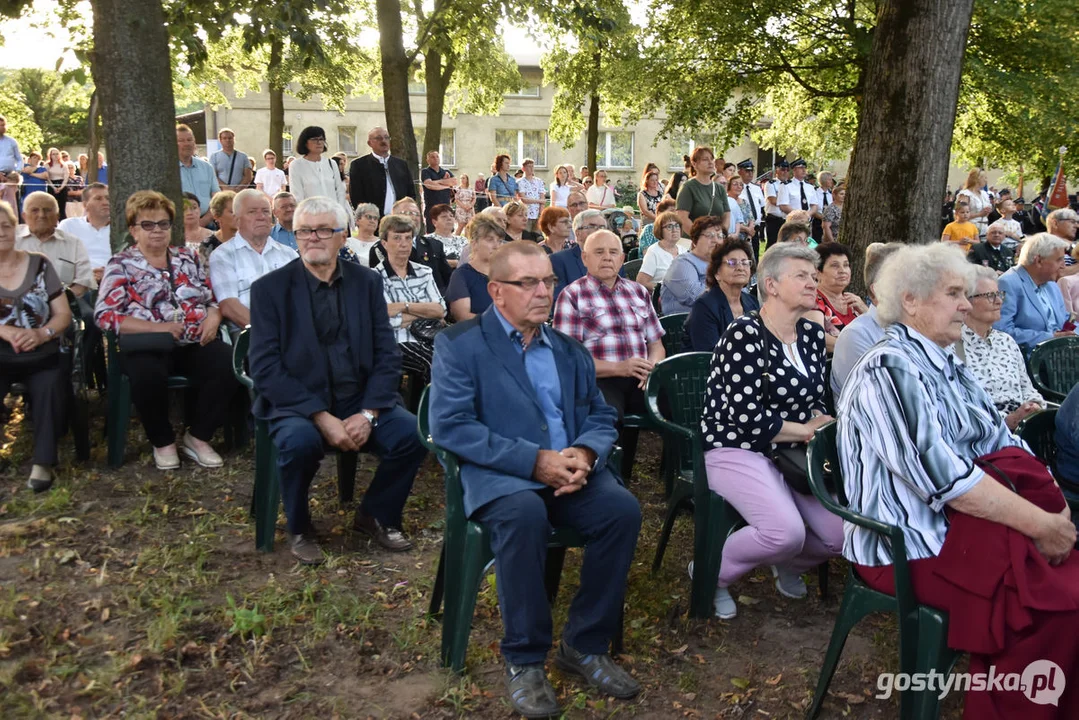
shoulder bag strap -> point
(231, 166)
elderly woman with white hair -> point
(913, 424)
(992, 356)
(765, 399)
(1033, 309)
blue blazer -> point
(1023, 316)
(290, 371)
(568, 267)
(484, 410)
(709, 317)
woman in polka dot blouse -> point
(787, 530)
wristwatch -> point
(406, 307)
(371, 417)
(49, 332)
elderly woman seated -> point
(467, 293)
(992, 356)
(34, 313)
(836, 308)
(913, 421)
(412, 297)
(729, 272)
(158, 300)
(766, 394)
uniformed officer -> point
(824, 195)
(754, 196)
(775, 197)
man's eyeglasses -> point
(997, 296)
(589, 228)
(411, 213)
(579, 204)
(530, 284)
(322, 233)
(731, 262)
(150, 225)
(380, 137)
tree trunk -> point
(593, 133)
(437, 80)
(93, 138)
(899, 168)
(395, 83)
(134, 82)
(276, 87)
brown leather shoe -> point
(389, 538)
(306, 549)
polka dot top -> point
(734, 416)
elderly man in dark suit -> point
(518, 403)
(326, 369)
(379, 178)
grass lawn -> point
(138, 593)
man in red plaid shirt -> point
(613, 317)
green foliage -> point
(58, 107)
(246, 622)
(20, 121)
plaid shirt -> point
(615, 325)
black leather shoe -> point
(599, 671)
(530, 691)
(389, 538)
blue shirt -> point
(504, 191)
(468, 282)
(852, 344)
(542, 372)
(283, 236)
(10, 157)
(199, 178)
(683, 283)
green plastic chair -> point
(266, 497)
(118, 417)
(674, 332)
(1039, 432)
(633, 254)
(1053, 367)
(923, 631)
(466, 550)
(631, 268)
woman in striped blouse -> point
(912, 421)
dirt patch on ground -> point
(140, 593)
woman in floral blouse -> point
(158, 299)
(34, 313)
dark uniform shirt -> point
(332, 335)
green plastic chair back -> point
(674, 332)
(633, 254)
(239, 356)
(1054, 367)
(923, 630)
(631, 268)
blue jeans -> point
(300, 448)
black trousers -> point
(626, 398)
(47, 393)
(771, 229)
(208, 401)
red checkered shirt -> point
(615, 325)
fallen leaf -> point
(775, 680)
(105, 615)
(740, 683)
(747, 600)
(680, 650)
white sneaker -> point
(723, 604)
(790, 585)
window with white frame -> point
(683, 144)
(521, 144)
(615, 149)
(528, 89)
(346, 139)
(447, 147)
(286, 142)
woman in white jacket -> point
(313, 173)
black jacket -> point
(427, 251)
(367, 181)
(1000, 259)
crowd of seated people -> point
(536, 346)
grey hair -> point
(1000, 225)
(587, 215)
(918, 270)
(875, 255)
(244, 195)
(1063, 214)
(364, 208)
(1042, 245)
(774, 263)
(321, 206)
(395, 224)
(981, 272)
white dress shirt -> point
(794, 195)
(66, 253)
(778, 190)
(753, 194)
(235, 266)
(96, 240)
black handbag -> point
(792, 462)
(42, 357)
(425, 329)
(145, 342)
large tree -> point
(396, 68)
(58, 105)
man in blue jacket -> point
(1033, 309)
(518, 403)
(326, 369)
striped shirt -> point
(418, 286)
(912, 420)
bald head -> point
(42, 213)
(602, 256)
(503, 259)
(379, 141)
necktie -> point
(824, 194)
(802, 189)
(752, 203)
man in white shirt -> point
(776, 196)
(754, 196)
(66, 252)
(270, 179)
(824, 197)
(252, 253)
(94, 227)
(801, 195)
(232, 166)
